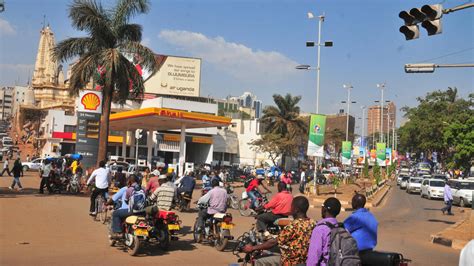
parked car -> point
(33, 165)
(404, 182)
(414, 185)
(432, 188)
(462, 191)
(133, 170)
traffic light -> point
(428, 15)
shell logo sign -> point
(90, 101)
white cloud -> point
(6, 28)
(238, 60)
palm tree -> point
(284, 120)
(103, 54)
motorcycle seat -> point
(163, 214)
(282, 222)
(219, 215)
(133, 219)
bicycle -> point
(101, 209)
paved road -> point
(54, 230)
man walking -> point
(17, 171)
(362, 225)
(448, 199)
(46, 168)
(5, 167)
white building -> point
(6, 102)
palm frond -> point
(130, 32)
(90, 16)
(82, 72)
(72, 47)
(147, 56)
(125, 9)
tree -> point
(335, 137)
(284, 128)
(460, 137)
(272, 144)
(103, 54)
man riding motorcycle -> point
(253, 191)
(216, 199)
(187, 184)
(280, 206)
(119, 215)
(163, 195)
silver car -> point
(404, 182)
(414, 185)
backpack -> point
(247, 182)
(137, 200)
(343, 249)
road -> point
(55, 229)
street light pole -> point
(318, 67)
(363, 122)
(348, 87)
(382, 87)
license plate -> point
(173, 227)
(227, 226)
(141, 232)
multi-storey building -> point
(375, 115)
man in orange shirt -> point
(280, 206)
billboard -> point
(381, 155)
(346, 152)
(175, 76)
(317, 127)
(388, 156)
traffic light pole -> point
(457, 8)
(430, 68)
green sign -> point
(317, 127)
(346, 152)
(381, 155)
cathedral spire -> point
(45, 66)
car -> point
(432, 188)
(404, 182)
(414, 185)
(400, 177)
(33, 165)
(440, 177)
(132, 170)
(424, 167)
(462, 191)
(7, 142)
(426, 176)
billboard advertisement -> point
(317, 127)
(381, 154)
(346, 152)
(388, 156)
(175, 76)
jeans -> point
(6, 170)
(16, 180)
(118, 216)
(265, 219)
(268, 259)
(202, 217)
(94, 195)
(448, 203)
(44, 182)
(253, 195)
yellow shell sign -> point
(90, 101)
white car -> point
(414, 185)
(399, 178)
(462, 191)
(33, 165)
(404, 182)
(432, 188)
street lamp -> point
(382, 87)
(349, 88)
(363, 123)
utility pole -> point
(382, 87)
(318, 67)
(349, 88)
(363, 123)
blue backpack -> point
(137, 200)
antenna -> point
(44, 21)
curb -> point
(377, 203)
(452, 243)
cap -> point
(162, 177)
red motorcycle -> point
(165, 227)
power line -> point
(446, 55)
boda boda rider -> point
(253, 191)
(216, 199)
(280, 206)
(163, 195)
(101, 176)
(119, 215)
(293, 239)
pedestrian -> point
(448, 199)
(17, 171)
(45, 174)
(362, 225)
(27, 157)
(5, 167)
(302, 180)
(318, 253)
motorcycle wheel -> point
(111, 242)
(164, 239)
(74, 189)
(196, 235)
(244, 208)
(234, 202)
(135, 246)
(220, 241)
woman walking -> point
(17, 171)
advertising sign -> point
(388, 156)
(317, 127)
(89, 109)
(381, 155)
(346, 152)
(175, 76)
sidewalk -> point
(457, 235)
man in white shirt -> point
(5, 168)
(101, 176)
(46, 168)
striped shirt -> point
(164, 196)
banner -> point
(388, 156)
(317, 127)
(381, 155)
(346, 152)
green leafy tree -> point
(377, 173)
(460, 138)
(365, 171)
(102, 54)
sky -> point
(255, 45)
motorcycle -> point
(244, 204)
(183, 201)
(74, 185)
(205, 190)
(232, 199)
(136, 231)
(374, 258)
(216, 230)
(164, 227)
